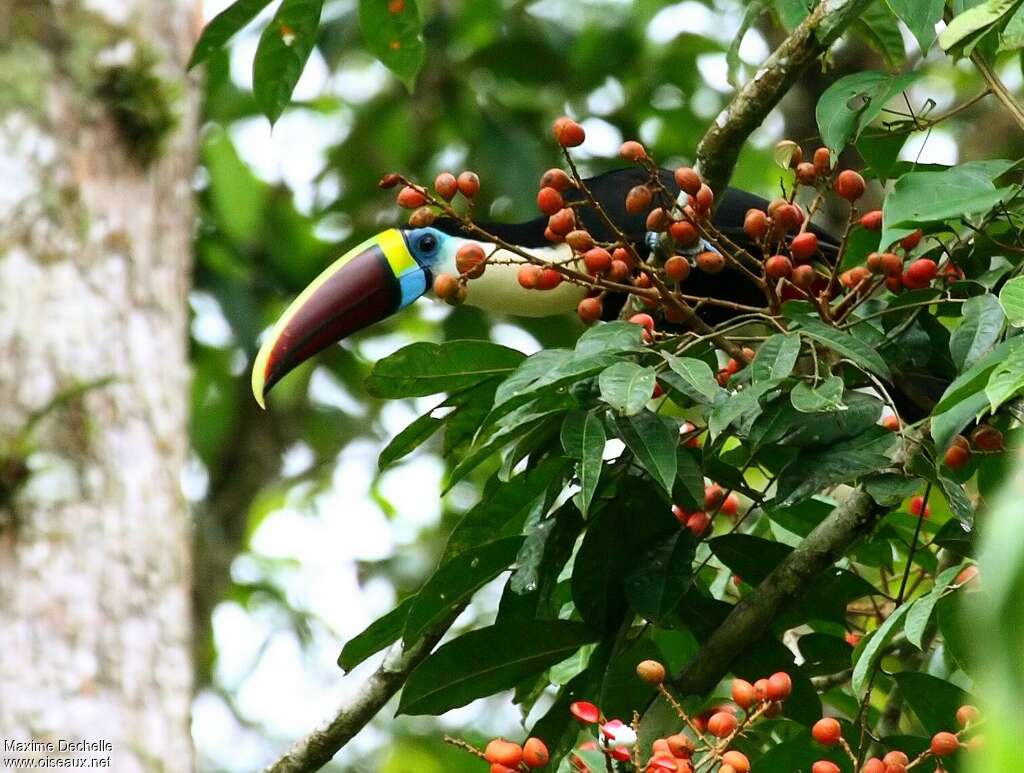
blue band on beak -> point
(413, 283)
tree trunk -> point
(96, 160)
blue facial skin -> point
(426, 246)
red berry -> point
(721, 724)
(730, 506)
(872, 220)
(549, 279)
(891, 422)
(535, 753)
(944, 743)
(677, 268)
(568, 133)
(804, 246)
(806, 173)
(658, 220)
(445, 286)
(704, 199)
(469, 184)
(469, 260)
(585, 712)
(917, 506)
(824, 766)
(646, 321)
(698, 523)
(910, 242)
(597, 260)
(755, 224)
(779, 686)
(549, 201)
(619, 271)
(987, 438)
(638, 199)
(504, 752)
(632, 150)
(803, 277)
(789, 217)
(688, 180)
(562, 222)
(957, 457)
(684, 233)
(823, 161)
(761, 689)
(921, 272)
(852, 638)
(966, 714)
(967, 574)
(529, 276)
(410, 198)
(743, 694)
(446, 186)
(778, 267)
(873, 765)
(590, 310)
(738, 761)
(389, 180)
(687, 429)
(896, 758)
(827, 731)
(680, 746)
(852, 279)
(556, 178)
(711, 262)
(850, 185)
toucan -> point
(386, 273)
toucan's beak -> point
(367, 284)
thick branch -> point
(721, 145)
(319, 747)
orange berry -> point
(738, 761)
(684, 233)
(698, 523)
(632, 150)
(646, 321)
(469, 184)
(824, 766)
(967, 574)
(873, 765)
(804, 246)
(597, 260)
(638, 199)
(504, 752)
(944, 743)
(704, 199)
(535, 753)
(827, 731)
(987, 438)
(803, 277)
(658, 220)
(688, 180)
(967, 714)
(579, 240)
(445, 286)
(619, 271)
(568, 133)
(852, 638)
(562, 222)
(780, 686)
(651, 671)
(872, 220)
(422, 217)
(730, 506)
(874, 263)
(529, 276)
(911, 241)
(789, 217)
(677, 268)
(743, 694)
(549, 201)
(778, 267)
(711, 262)
(891, 422)
(721, 724)
(497, 767)
(590, 310)
(761, 689)
(806, 173)
(896, 758)
(957, 457)
(446, 185)
(755, 224)
(680, 746)
(850, 185)
(410, 198)
(470, 259)
(823, 161)
(892, 264)
(549, 279)
(556, 178)
(921, 272)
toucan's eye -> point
(428, 243)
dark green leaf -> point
(824, 654)
(223, 26)
(872, 650)
(425, 368)
(662, 577)
(699, 383)
(609, 337)
(921, 611)
(879, 28)
(853, 102)
(281, 55)
(455, 581)
(775, 358)
(920, 16)
(979, 332)
(626, 387)
(827, 396)
(744, 406)
(890, 489)
(855, 350)
(376, 636)
(392, 33)
(752, 558)
(934, 701)
(487, 661)
(783, 424)
(653, 441)
(583, 438)
(843, 462)
(957, 500)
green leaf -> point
(872, 650)
(919, 198)
(626, 387)
(921, 611)
(504, 509)
(1006, 380)
(850, 347)
(653, 441)
(979, 332)
(744, 405)
(487, 661)
(456, 581)
(1012, 37)
(850, 104)
(281, 55)
(959, 504)
(890, 489)
(583, 438)
(782, 423)
(792, 12)
(920, 16)
(752, 558)
(392, 34)
(609, 337)
(843, 462)
(879, 28)
(775, 358)
(700, 383)
(223, 26)
(376, 636)
(1011, 298)
(425, 368)
(934, 701)
(662, 576)
(826, 397)
(967, 28)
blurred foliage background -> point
(301, 540)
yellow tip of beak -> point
(259, 369)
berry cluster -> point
(508, 756)
(716, 500)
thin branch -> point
(720, 148)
